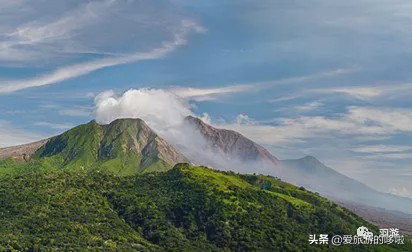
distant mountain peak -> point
(232, 143)
(127, 120)
(311, 159)
(194, 119)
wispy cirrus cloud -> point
(77, 111)
(390, 156)
(76, 70)
(324, 74)
(365, 92)
(208, 94)
(85, 36)
(357, 121)
(46, 31)
(357, 92)
(384, 152)
(381, 148)
(300, 109)
(336, 140)
(57, 126)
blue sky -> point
(330, 79)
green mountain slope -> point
(124, 147)
(184, 209)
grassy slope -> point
(93, 147)
(187, 208)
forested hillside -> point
(185, 209)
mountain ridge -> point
(125, 146)
(309, 172)
(129, 146)
(232, 143)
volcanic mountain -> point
(307, 171)
(129, 146)
(231, 143)
(123, 147)
(81, 201)
(314, 175)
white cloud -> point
(244, 119)
(45, 35)
(365, 93)
(165, 113)
(321, 75)
(357, 121)
(268, 134)
(283, 98)
(45, 32)
(304, 108)
(386, 156)
(373, 138)
(381, 148)
(63, 27)
(207, 94)
(309, 106)
(78, 111)
(384, 120)
(359, 92)
(206, 118)
(163, 110)
(58, 126)
(159, 108)
(306, 78)
(73, 71)
(401, 191)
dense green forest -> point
(184, 209)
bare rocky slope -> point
(231, 143)
(22, 152)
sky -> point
(331, 79)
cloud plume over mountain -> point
(171, 117)
(159, 108)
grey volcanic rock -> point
(22, 152)
(232, 144)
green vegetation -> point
(184, 209)
(124, 147)
(112, 188)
